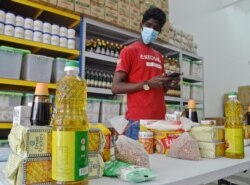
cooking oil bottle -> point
(70, 129)
(234, 128)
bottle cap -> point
(42, 89)
(191, 104)
(71, 65)
(232, 94)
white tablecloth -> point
(180, 172)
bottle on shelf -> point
(191, 112)
(234, 128)
(248, 116)
(41, 107)
(70, 129)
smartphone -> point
(173, 74)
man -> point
(140, 74)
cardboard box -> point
(97, 10)
(52, 2)
(111, 15)
(123, 21)
(144, 6)
(66, 4)
(157, 3)
(82, 6)
(124, 8)
(244, 95)
(101, 2)
(134, 13)
(135, 24)
(135, 4)
(113, 4)
(164, 6)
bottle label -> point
(234, 140)
(70, 155)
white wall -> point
(223, 38)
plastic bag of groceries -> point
(185, 147)
(126, 149)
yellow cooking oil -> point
(234, 140)
(70, 129)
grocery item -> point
(21, 171)
(96, 166)
(212, 150)
(70, 129)
(21, 115)
(185, 147)
(233, 128)
(30, 141)
(96, 140)
(41, 106)
(147, 140)
(208, 133)
(191, 112)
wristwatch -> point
(146, 86)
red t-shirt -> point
(141, 63)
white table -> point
(181, 172)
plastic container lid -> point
(42, 89)
(3, 93)
(191, 104)
(232, 94)
(15, 50)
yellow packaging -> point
(107, 134)
(96, 140)
(212, 150)
(96, 166)
(163, 140)
(21, 171)
(208, 133)
(31, 141)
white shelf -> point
(194, 56)
(173, 99)
(100, 57)
(99, 90)
(188, 77)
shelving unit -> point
(44, 13)
(93, 28)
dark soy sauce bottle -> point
(191, 112)
(41, 106)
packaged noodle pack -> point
(126, 149)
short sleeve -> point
(124, 62)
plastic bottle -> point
(191, 112)
(70, 129)
(248, 116)
(41, 106)
(233, 128)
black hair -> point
(155, 13)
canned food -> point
(71, 43)
(38, 25)
(46, 28)
(46, 38)
(2, 16)
(10, 18)
(9, 29)
(63, 32)
(28, 23)
(38, 36)
(19, 21)
(55, 29)
(71, 33)
(63, 42)
(55, 40)
(19, 32)
(28, 34)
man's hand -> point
(159, 81)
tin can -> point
(147, 140)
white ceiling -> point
(243, 4)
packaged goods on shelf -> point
(109, 109)
(27, 99)
(93, 110)
(6, 113)
(65, 4)
(82, 7)
(20, 170)
(182, 40)
(196, 91)
(37, 68)
(111, 15)
(185, 66)
(11, 99)
(211, 150)
(208, 133)
(58, 69)
(11, 69)
(113, 4)
(21, 115)
(97, 9)
(185, 90)
(196, 69)
(2, 28)
(27, 141)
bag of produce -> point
(126, 149)
(185, 147)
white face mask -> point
(148, 35)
